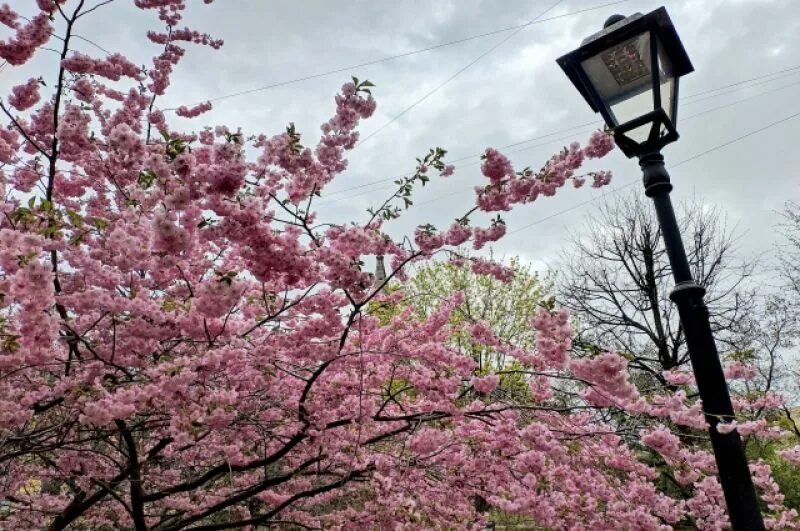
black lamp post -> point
(629, 73)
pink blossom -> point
(493, 269)
(675, 377)
(457, 234)
(84, 89)
(24, 96)
(739, 371)
(726, 427)
(191, 112)
(492, 234)
(21, 47)
(8, 17)
(113, 67)
(9, 143)
(216, 297)
(496, 166)
(600, 144)
(428, 241)
(608, 375)
(601, 178)
(664, 442)
(791, 454)
(486, 384)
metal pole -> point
(734, 475)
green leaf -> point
(146, 179)
(99, 224)
(75, 218)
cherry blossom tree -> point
(184, 345)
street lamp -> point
(629, 73)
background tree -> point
(615, 278)
(789, 255)
(507, 307)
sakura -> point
(186, 344)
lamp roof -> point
(657, 22)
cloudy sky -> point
(513, 94)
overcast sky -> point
(514, 93)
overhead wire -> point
(671, 167)
(460, 71)
(686, 119)
(775, 75)
(352, 67)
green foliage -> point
(507, 308)
(787, 476)
(384, 311)
(405, 185)
(173, 146)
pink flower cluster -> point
(186, 35)
(492, 234)
(601, 178)
(457, 234)
(8, 17)
(507, 188)
(663, 441)
(83, 89)
(608, 375)
(428, 241)
(675, 377)
(216, 297)
(192, 112)
(490, 268)
(9, 144)
(483, 334)
(25, 96)
(740, 371)
(496, 166)
(744, 428)
(113, 67)
(791, 454)
(600, 144)
(486, 384)
(21, 47)
(554, 337)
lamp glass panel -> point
(640, 134)
(666, 80)
(622, 77)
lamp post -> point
(629, 73)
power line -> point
(328, 196)
(743, 81)
(673, 166)
(405, 54)
(706, 96)
(458, 73)
(695, 115)
(594, 123)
